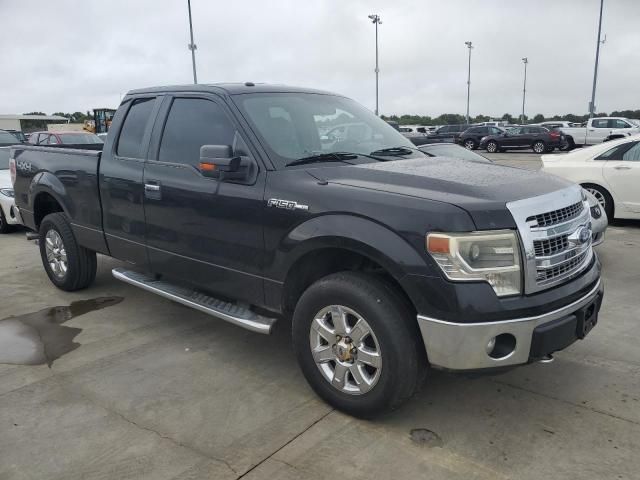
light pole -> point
(525, 60)
(469, 46)
(375, 18)
(192, 46)
(592, 106)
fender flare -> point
(47, 182)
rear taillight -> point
(12, 170)
(554, 134)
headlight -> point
(492, 256)
(8, 192)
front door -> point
(623, 175)
(202, 230)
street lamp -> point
(469, 46)
(592, 106)
(192, 46)
(376, 20)
(525, 60)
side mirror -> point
(217, 161)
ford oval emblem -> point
(584, 235)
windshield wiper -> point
(324, 157)
(394, 151)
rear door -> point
(121, 187)
(513, 137)
(202, 230)
(622, 173)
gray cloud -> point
(70, 55)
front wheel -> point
(358, 344)
(470, 144)
(69, 266)
(539, 147)
(4, 226)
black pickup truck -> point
(232, 199)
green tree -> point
(538, 118)
(507, 118)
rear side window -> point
(133, 128)
(633, 154)
(598, 123)
(193, 122)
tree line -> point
(454, 118)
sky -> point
(72, 55)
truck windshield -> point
(298, 125)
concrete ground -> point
(140, 387)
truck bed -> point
(71, 177)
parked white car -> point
(7, 205)
(600, 130)
(610, 171)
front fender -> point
(350, 232)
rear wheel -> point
(69, 266)
(492, 146)
(539, 147)
(357, 344)
(604, 198)
(470, 144)
(569, 145)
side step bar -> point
(232, 313)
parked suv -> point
(472, 136)
(225, 199)
(447, 133)
(538, 139)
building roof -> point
(54, 118)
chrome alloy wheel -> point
(599, 196)
(345, 349)
(56, 253)
(469, 144)
(538, 147)
(492, 147)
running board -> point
(232, 313)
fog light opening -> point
(502, 346)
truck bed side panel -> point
(70, 176)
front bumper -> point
(463, 346)
(8, 206)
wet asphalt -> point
(116, 383)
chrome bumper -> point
(463, 346)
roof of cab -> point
(229, 89)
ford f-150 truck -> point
(600, 130)
(225, 198)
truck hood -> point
(482, 189)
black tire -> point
(402, 353)
(538, 146)
(493, 147)
(569, 145)
(598, 191)
(470, 144)
(550, 149)
(4, 226)
(81, 263)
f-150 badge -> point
(286, 204)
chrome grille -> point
(562, 271)
(552, 247)
(556, 216)
(544, 248)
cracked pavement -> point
(158, 391)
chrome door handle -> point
(622, 167)
(150, 187)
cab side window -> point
(192, 123)
(133, 129)
(600, 123)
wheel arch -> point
(599, 185)
(47, 192)
(333, 243)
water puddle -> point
(423, 436)
(41, 338)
